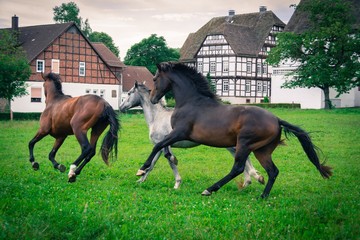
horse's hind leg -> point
(85, 151)
(57, 145)
(173, 164)
(249, 170)
(153, 162)
(241, 155)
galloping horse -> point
(158, 119)
(65, 115)
(199, 117)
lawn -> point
(108, 203)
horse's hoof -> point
(261, 180)
(35, 166)
(140, 172)
(61, 168)
(206, 193)
(72, 178)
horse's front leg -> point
(39, 135)
(144, 177)
(172, 138)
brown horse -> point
(65, 115)
(199, 117)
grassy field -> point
(107, 203)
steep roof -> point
(246, 33)
(136, 73)
(299, 21)
(34, 39)
(108, 55)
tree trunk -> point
(328, 104)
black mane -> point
(57, 82)
(200, 82)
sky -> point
(130, 21)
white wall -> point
(24, 104)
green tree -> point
(106, 39)
(327, 52)
(150, 51)
(69, 12)
(14, 67)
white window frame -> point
(247, 86)
(82, 69)
(259, 86)
(200, 67)
(58, 66)
(248, 66)
(225, 85)
(225, 66)
(259, 68)
(42, 66)
(212, 66)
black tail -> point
(110, 141)
(309, 148)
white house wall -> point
(24, 104)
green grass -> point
(107, 203)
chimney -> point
(262, 9)
(231, 13)
(15, 23)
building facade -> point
(232, 50)
(63, 49)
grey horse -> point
(158, 119)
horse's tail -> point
(110, 141)
(309, 148)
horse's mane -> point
(199, 81)
(57, 82)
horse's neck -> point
(53, 95)
(183, 91)
(151, 111)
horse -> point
(158, 120)
(200, 117)
(65, 115)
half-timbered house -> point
(232, 50)
(84, 67)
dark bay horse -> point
(200, 117)
(65, 115)
(158, 119)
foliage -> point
(69, 12)
(106, 39)
(107, 203)
(211, 83)
(328, 51)
(14, 67)
(149, 52)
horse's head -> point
(52, 83)
(135, 94)
(162, 82)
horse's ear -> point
(158, 65)
(144, 82)
(136, 84)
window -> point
(87, 91)
(55, 65)
(200, 67)
(247, 86)
(35, 94)
(212, 66)
(225, 85)
(102, 93)
(248, 67)
(82, 69)
(265, 87)
(259, 86)
(40, 65)
(225, 66)
(113, 94)
(95, 91)
(259, 68)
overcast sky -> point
(130, 21)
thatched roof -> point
(246, 33)
(299, 21)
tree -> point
(14, 67)
(150, 51)
(69, 12)
(327, 52)
(106, 39)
